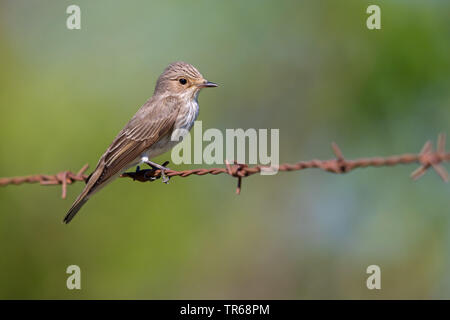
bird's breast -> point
(187, 115)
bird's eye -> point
(182, 81)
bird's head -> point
(181, 78)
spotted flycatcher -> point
(148, 134)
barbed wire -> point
(427, 158)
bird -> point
(149, 133)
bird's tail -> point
(76, 206)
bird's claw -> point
(165, 178)
(150, 178)
(162, 168)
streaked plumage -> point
(148, 134)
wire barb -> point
(341, 163)
(427, 158)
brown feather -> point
(154, 120)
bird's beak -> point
(208, 84)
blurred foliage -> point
(310, 68)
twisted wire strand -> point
(427, 158)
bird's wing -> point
(152, 122)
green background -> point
(309, 68)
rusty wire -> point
(427, 158)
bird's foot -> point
(145, 172)
(162, 168)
